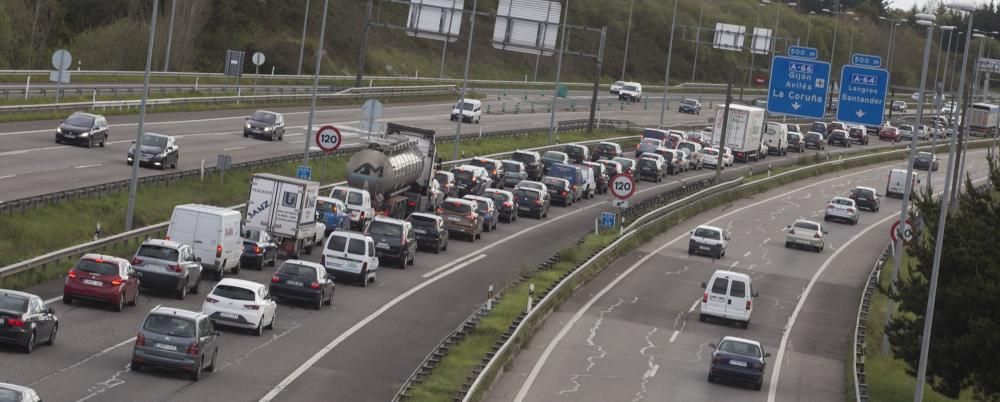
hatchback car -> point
(692, 106)
(242, 304)
(505, 203)
(446, 182)
(83, 128)
(155, 150)
(899, 106)
(674, 161)
(104, 279)
(302, 281)
(710, 158)
(840, 138)
(493, 167)
(616, 87)
(168, 265)
(460, 217)
(25, 320)
(819, 127)
(605, 150)
(531, 201)
(738, 359)
(265, 124)
(486, 209)
(514, 172)
(842, 209)
(176, 339)
(859, 134)
(925, 161)
(628, 164)
(807, 234)
(889, 134)
(394, 240)
(17, 393)
(258, 248)
(559, 190)
(652, 168)
(577, 153)
(708, 240)
(796, 142)
(552, 157)
(814, 140)
(430, 231)
(471, 179)
(866, 197)
(532, 163)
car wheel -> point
(711, 378)
(758, 385)
(413, 258)
(319, 303)
(820, 249)
(271, 137)
(104, 141)
(274, 318)
(219, 274)
(211, 366)
(121, 303)
(52, 336)
(196, 374)
(136, 366)
(245, 135)
(479, 235)
(30, 345)
(260, 328)
(745, 324)
(90, 142)
(182, 293)
(702, 318)
(329, 300)
(274, 260)
(67, 300)
(236, 269)
(196, 288)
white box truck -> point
(212, 232)
(983, 119)
(743, 131)
(285, 208)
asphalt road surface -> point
(633, 332)
(361, 349)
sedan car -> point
(156, 150)
(242, 304)
(258, 248)
(176, 339)
(505, 202)
(559, 190)
(168, 265)
(925, 161)
(889, 134)
(840, 138)
(605, 150)
(25, 321)
(899, 106)
(814, 140)
(692, 106)
(842, 209)
(17, 393)
(104, 279)
(302, 281)
(866, 197)
(83, 128)
(738, 359)
(265, 124)
(430, 231)
(807, 234)
(486, 209)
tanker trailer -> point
(397, 170)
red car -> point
(102, 278)
(889, 134)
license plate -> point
(738, 363)
(172, 348)
(294, 283)
(382, 246)
(704, 247)
(420, 231)
(524, 208)
(92, 283)
(230, 316)
(454, 218)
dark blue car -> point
(332, 213)
(740, 360)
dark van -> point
(572, 174)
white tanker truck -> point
(398, 172)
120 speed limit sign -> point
(906, 231)
(622, 187)
(328, 138)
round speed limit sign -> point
(622, 187)
(906, 231)
(328, 138)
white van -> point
(472, 111)
(358, 203)
(776, 137)
(214, 234)
(630, 92)
(896, 185)
(350, 255)
(728, 296)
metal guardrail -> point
(860, 327)
(349, 93)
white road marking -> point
(694, 306)
(457, 267)
(7, 176)
(296, 142)
(674, 336)
(448, 265)
(232, 148)
(88, 166)
(746, 255)
(733, 265)
(89, 358)
(18, 152)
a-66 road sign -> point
(622, 186)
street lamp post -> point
(833, 49)
(809, 27)
(133, 187)
(855, 19)
(555, 95)
(925, 339)
(964, 141)
(315, 86)
(302, 42)
(628, 34)
(939, 90)
(670, 51)
(753, 41)
(697, 41)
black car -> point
(819, 127)
(692, 106)
(505, 203)
(796, 143)
(493, 167)
(264, 124)
(302, 281)
(577, 153)
(814, 140)
(394, 240)
(25, 321)
(430, 231)
(925, 161)
(466, 182)
(650, 169)
(156, 150)
(532, 201)
(559, 190)
(258, 248)
(532, 163)
(839, 137)
(606, 150)
(738, 359)
(866, 197)
(83, 128)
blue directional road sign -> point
(607, 219)
(862, 95)
(798, 87)
(304, 172)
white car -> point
(806, 233)
(471, 111)
(241, 303)
(11, 392)
(727, 156)
(616, 87)
(710, 158)
(320, 234)
(728, 296)
(631, 92)
(843, 209)
(708, 240)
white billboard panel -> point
(761, 43)
(527, 26)
(728, 36)
(435, 19)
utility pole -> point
(555, 94)
(170, 35)
(670, 51)
(137, 147)
(364, 47)
(302, 43)
(312, 101)
(628, 34)
(465, 75)
(697, 41)
(597, 80)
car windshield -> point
(572, 150)
(690, 102)
(298, 271)
(863, 192)
(327, 206)
(467, 106)
(740, 348)
(97, 267)
(924, 156)
(710, 151)
(9, 395)
(604, 148)
(383, 228)
(422, 221)
(631, 88)
(234, 292)
(169, 325)
(13, 303)
(511, 167)
(806, 225)
(707, 233)
(458, 207)
(80, 120)
(160, 252)
(819, 127)
(263, 117)
(154, 141)
(651, 142)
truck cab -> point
(776, 138)
(358, 203)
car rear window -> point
(647, 163)
(738, 289)
(336, 243)
(819, 126)
(554, 156)
(605, 148)
(553, 182)
(740, 348)
(528, 193)
(720, 285)
(158, 252)
(862, 192)
(350, 197)
(324, 206)
(422, 221)
(482, 163)
(842, 201)
(169, 325)
(806, 225)
(95, 267)
(459, 207)
(234, 292)
(498, 198)
(383, 228)
(511, 167)
(713, 152)
(707, 233)
(14, 303)
(463, 175)
(356, 246)
(524, 157)
(298, 271)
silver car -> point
(807, 234)
(170, 265)
(647, 145)
(176, 339)
(514, 172)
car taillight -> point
(852, 210)
(748, 304)
(538, 202)
(256, 249)
(15, 322)
(116, 282)
(175, 268)
(136, 261)
(314, 285)
(210, 299)
(166, 238)
(72, 273)
(275, 279)
(411, 204)
(256, 307)
(140, 340)
(563, 192)
(817, 236)
(508, 204)
(193, 349)
(704, 298)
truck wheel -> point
(309, 249)
(236, 269)
(219, 274)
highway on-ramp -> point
(633, 332)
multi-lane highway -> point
(633, 332)
(362, 349)
(31, 163)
